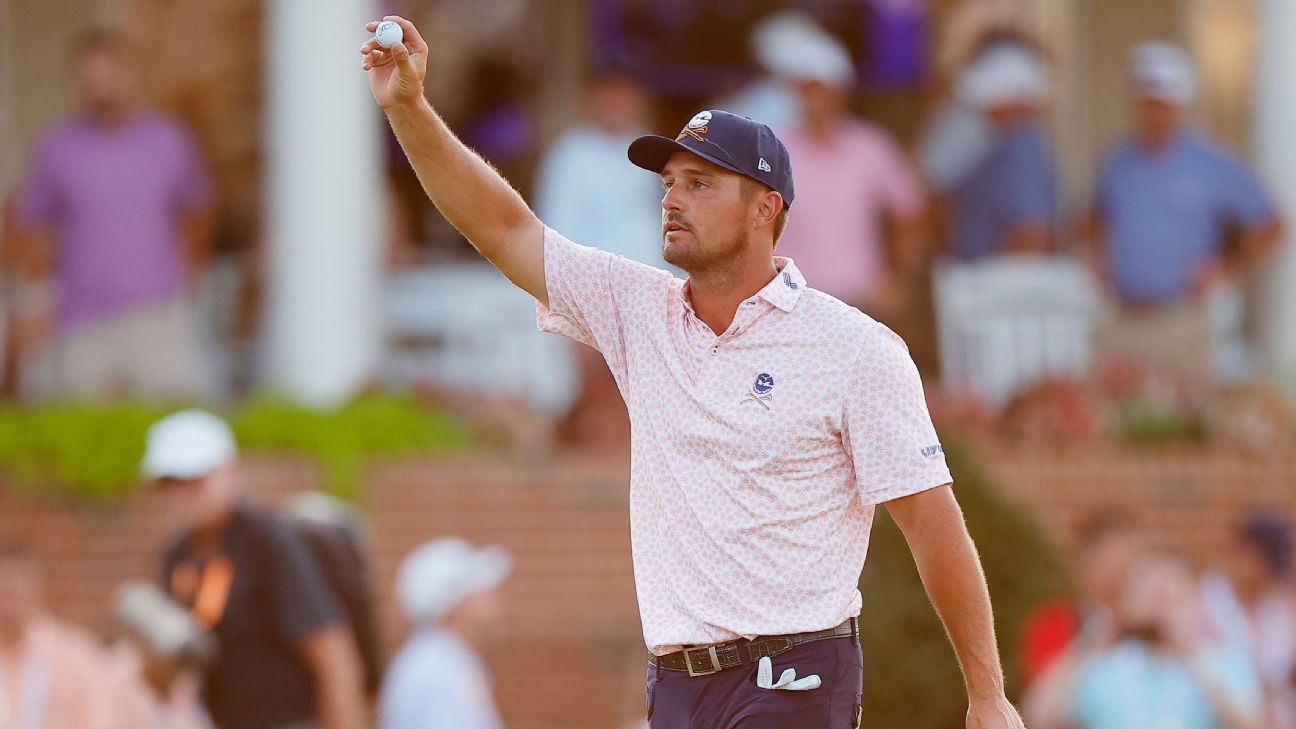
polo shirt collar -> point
(786, 286)
(782, 291)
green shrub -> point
(94, 451)
(911, 677)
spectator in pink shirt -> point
(115, 210)
(49, 671)
(855, 184)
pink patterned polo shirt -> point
(757, 456)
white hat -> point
(1005, 74)
(435, 578)
(793, 46)
(187, 444)
(1163, 72)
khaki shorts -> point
(1176, 337)
(150, 350)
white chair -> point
(466, 327)
(1007, 323)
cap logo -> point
(696, 127)
(700, 121)
(763, 165)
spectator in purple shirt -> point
(115, 210)
(1168, 202)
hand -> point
(396, 74)
(993, 713)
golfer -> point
(769, 420)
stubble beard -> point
(697, 258)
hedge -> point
(911, 677)
(94, 450)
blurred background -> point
(1076, 213)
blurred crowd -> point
(1152, 640)
(260, 620)
(110, 232)
(265, 620)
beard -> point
(698, 256)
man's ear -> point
(769, 207)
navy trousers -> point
(731, 699)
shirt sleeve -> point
(38, 201)
(591, 294)
(1030, 199)
(887, 428)
(1242, 198)
(300, 600)
(899, 189)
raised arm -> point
(470, 193)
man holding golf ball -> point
(769, 420)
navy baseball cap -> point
(733, 142)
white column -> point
(1275, 151)
(324, 187)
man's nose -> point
(672, 201)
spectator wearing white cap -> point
(1167, 205)
(854, 184)
(286, 656)
(783, 44)
(448, 589)
(1007, 202)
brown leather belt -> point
(708, 659)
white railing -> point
(1009, 322)
(464, 326)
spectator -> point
(286, 655)
(117, 204)
(777, 42)
(448, 590)
(50, 671)
(1107, 544)
(1007, 202)
(1163, 670)
(1251, 607)
(957, 136)
(586, 190)
(333, 531)
(857, 181)
(1165, 204)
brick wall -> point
(1190, 498)
(573, 656)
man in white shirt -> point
(448, 590)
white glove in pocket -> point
(787, 681)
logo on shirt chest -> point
(761, 390)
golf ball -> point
(388, 33)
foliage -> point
(911, 677)
(94, 450)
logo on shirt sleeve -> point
(932, 451)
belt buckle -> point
(715, 663)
